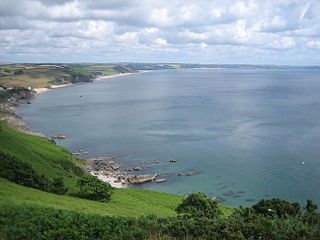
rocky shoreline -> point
(106, 169)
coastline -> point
(16, 121)
(45, 89)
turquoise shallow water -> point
(246, 131)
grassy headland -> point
(43, 75)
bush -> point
(198, 205)
(94, 189)
(26, 222)
(277, 207)
(310, 206)
(58, 186)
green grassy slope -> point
(46, 158)
(125, 202)
(55, 161)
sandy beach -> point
(41, 90)
(45, 89)
(116, 75)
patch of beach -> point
(45, 89)
(113, 181)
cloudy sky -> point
(191, 31)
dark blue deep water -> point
(246, 131)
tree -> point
(310, 206)
(277, 207)
(58, 186)
(94, 189)
(198, 205)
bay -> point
(246, 131)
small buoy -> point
(302, 163)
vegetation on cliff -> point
(43, 75)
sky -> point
(283, 32)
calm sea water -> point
(246, 131)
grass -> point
(125, 202)
(46, 158)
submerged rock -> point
(188, 173)
(142, 178)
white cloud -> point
(313, 44)
(138, 28)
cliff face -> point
(15, 94)
(23, 94)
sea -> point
(242, 134)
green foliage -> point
(7, 70)
(94, 189)
(21, 222)
(198, 205)
(310, 206)
(58, 186)
(277, 207)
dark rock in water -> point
(230, 193)
(136, 168)
(188, 173)
(236, 196)
(28, 102)
(241, 192)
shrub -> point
(198, 205)
(94, 189)
(277, 207)
(58, 186)
(310, 206)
